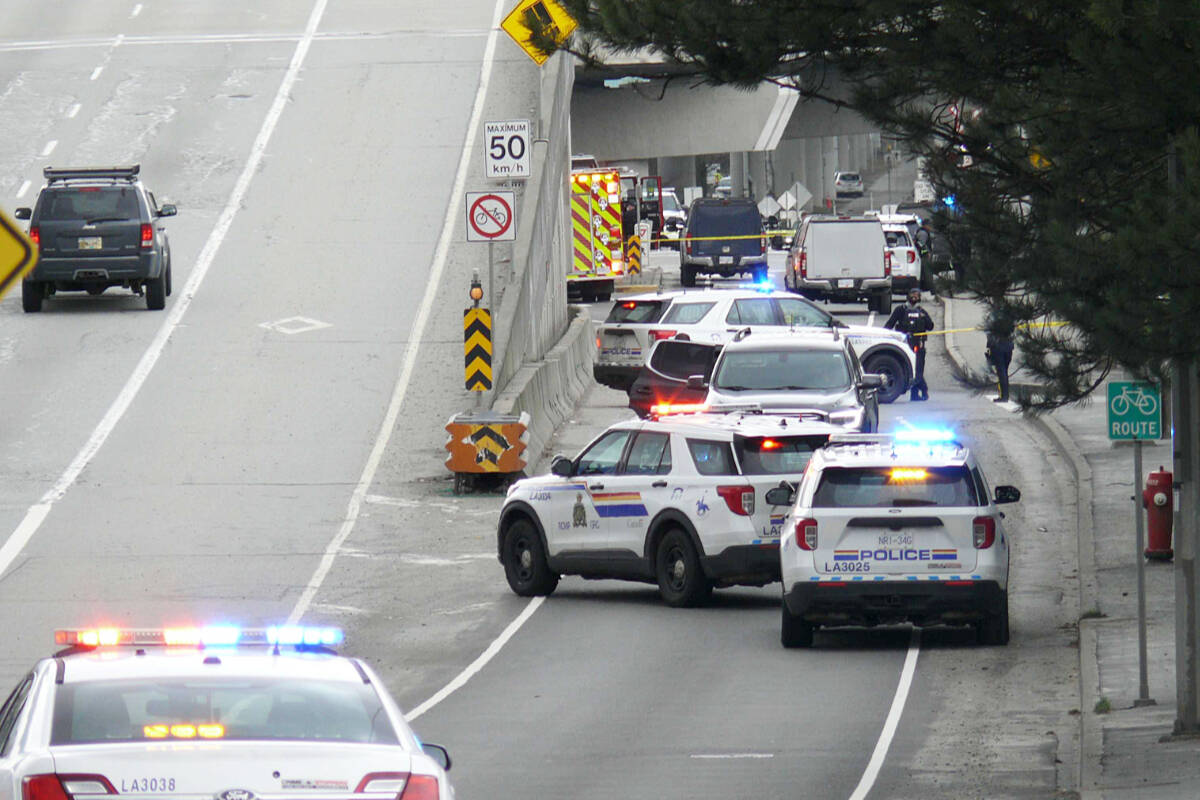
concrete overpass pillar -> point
(845, 156)
(737, 174)
(679, 172)
(760, 178)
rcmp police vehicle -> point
(217, 712)
(624, 340)
(677, 500)
(895, 528)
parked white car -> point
(715, 315)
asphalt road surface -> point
(270, 446)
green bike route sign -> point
(1134, 411)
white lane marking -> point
(24, 188)
(49, 148)
(136, 10)
(871, 318)
(732, 755)
(433, 283)
(479, 663)
(294, 325)
(96, 72)
(893, 718)
(37, 513)
(74, 110)
(243, 38)
(437, 561)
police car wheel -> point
(525, 564)
(893, 375)
(795, 631)
(993, 629)
(681, 581)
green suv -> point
(96, 228)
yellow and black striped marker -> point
(492, 445)
(633, 254)
(477, 349)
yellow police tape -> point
(1022, 325)
(768, 234)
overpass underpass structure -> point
(645, 113)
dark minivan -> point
(724, 236)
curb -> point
(1091, 733)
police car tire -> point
(795, 631)
(872, 303)
(884, 301)
(687, 275)
(525, 564)
(889, 366)
(681, 580)
(993, 628)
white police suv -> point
(890, 528)
(678, 501)
(214, 713)
(625, 339)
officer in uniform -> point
(999, 351)
(912, 320)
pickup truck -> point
(843, 259)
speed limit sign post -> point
(506, 148)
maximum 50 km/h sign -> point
(506, 145)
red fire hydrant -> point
(1156, 499)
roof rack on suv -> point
(54, 175)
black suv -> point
(724, 236)
(97, 228)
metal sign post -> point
(1134, 414)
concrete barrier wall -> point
(542, 357)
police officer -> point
(912, 320)
(999, 351)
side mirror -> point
(438, 754)
(871, 380)
(562, 466)
(1007, 494)
(697, 382)
(167, 210)
(781, 495)
(23, 213)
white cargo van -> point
(843, 259)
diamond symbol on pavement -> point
(294, 325)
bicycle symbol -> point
(1134, 397)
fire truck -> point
(598, 246)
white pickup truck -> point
(844, 259)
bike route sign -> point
(1134, 411)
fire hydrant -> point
(1156, 499)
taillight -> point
(687, 245)
(61, 787)
(597, 342)
(659, 333)
(983, 532)
(803, 264)
(762, 243)
(740, 499)
(35, 234)
(806, 534)
(147, 235)
(887, 263)
(420, 787)
(912, 256)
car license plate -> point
(846, 283)
(726, 259)
(90, 243)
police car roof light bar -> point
(200, 637)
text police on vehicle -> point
(895, 528)
(198, 712)
(678, 501)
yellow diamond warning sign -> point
(17, 254)
(538, 15)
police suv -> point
(220, 713)
(891, 528)
(678, 501)
(635, 323)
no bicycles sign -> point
(490, 217)
(1134, 411)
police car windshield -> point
(783, 370)
(895, 487)
(776, 455)
(227, 709)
